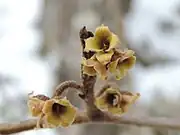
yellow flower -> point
(35, 104)
(104, 40)
(109, 101)
(59, 112)
(92, 67)
(122, 64)
(114, 101)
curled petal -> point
(89, 71)
(104, 58)
(101, 70)
(113, 66)
(59, 112)
(102, 32)
(92, 45)
(114, 41)
(89, 62)
(128, 99)
(35, 106)
(128, 53)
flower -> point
(114, 101)
(104, 40)
(109, 101)
(35, 104)
(92, 67)
(122, 64)
(59, 112)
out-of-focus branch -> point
(170, 123)
(156, 122)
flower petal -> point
(113, 65)
(114, 41)
(101, 70)
(63, 101)
(48, 106)
(89, 62)
(35, 106)
(89, 71)
(128, 63)
(104, 58)
(92, 45)
(101, 103)
(120, 73)
(102, 32)
(129, 53)
(130, 98)
(53, 120)
(68, 118)
(115, 110)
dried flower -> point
(122, 64)
(114, 101)
(109, 101)
(59, 112)
(36, 103)
(92, 67)
(104, 40)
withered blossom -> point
(36, 103)
(114, 101)
(92, 67)
(103, 40)
(122, 64)
(59, 112)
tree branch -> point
(7, 128)
(156, 122)
(67, 84)
(159, 122)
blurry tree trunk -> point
(56, 28)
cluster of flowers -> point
(108, 56)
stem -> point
(89, 81)
(155, 122)
(7, 128)
(67, 84)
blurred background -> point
(39, 48)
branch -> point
(156, 122)
(67, 84)
(7, 128)
(159, 122)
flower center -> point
(104, 43)
(112, 99)
(58, 109)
